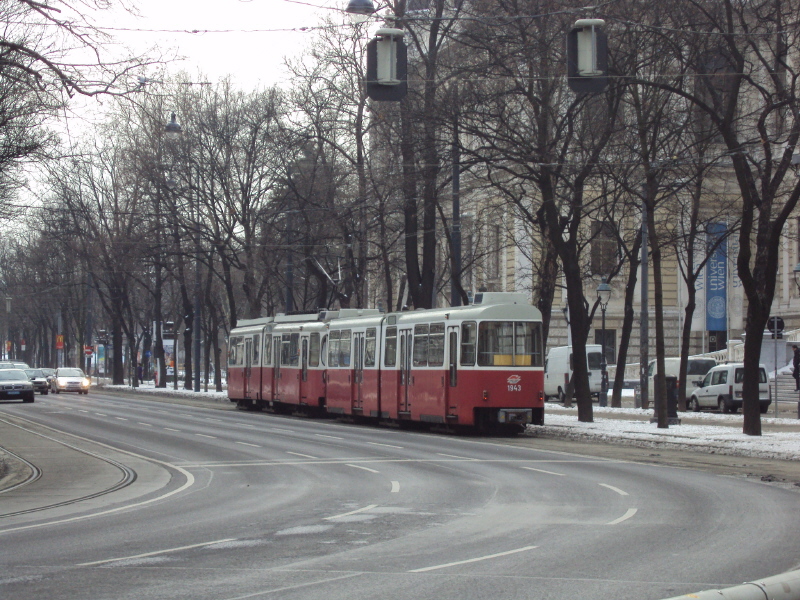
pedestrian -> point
(796, 367)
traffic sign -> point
(88, 350)
(775, 325)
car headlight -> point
(85, 383)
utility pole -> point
(455, 275)
(643, 319)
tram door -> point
(451, 389)
(406, 380)
(276, 361)
(358, 370)
(248, 366)
(302, 393)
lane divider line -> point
(543, 471)
(395, 487)
(362, 468)
(453, 456)
(472, 560)
(246, 444)
(630, 512)
(331, 437)
(614, 489)
(302, 455)
(156, 553)
(385, 445)
(211, 437)
(352, 512)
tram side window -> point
(436, 345)
(369, 348)
(290, 355)
(469, 336)
(333, 349)
(323, 352)
(313, 350)
(390, 356)
(256, 349)
(504, 343)
(344, 348)
(233, 350)
(268, 350)
(420, 345)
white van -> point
(558, 370)
(696, 369)
(722, 389)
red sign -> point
(59, 342)
(22, 345)
(88, 350)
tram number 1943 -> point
(514, 387)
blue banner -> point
(717, 280)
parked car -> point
(15, 385)
(722, 389)
(70, 379)
(696, 368)
(558, 370)
(20, 365)
(39, 380)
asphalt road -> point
(130, 498)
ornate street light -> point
(173, 131)
(360, 10)
(603, 295)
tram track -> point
(128, 475)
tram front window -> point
(509, 343)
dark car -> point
(70, 379)
(39, 380)
(15, 385)
(50, 374)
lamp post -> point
(797, 283)
(603, 295)
(173, 131)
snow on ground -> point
(722, 435)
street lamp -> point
(173, 131)
(797, 283)
(603, 295)
(360, 10)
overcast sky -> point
(246, 39)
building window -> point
(604, 248)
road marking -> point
(625, 517)
(395, 487)
(215, 420)
(384, 445)
(146, 424)
(121, 418)
(472, 560)
(101, 414)
(302, 455)
(156, 553)
(453, 456)
(83, 411)
(211, 437)
(362, 468)
(332, 437)
(281, 430)
(246, 444)
(294, 587)
(543, 471)
(352, 512)
(614, 489)
(169, 429)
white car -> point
(70, 379)
(722, 389)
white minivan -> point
(558, 371)
(722, 389)
(696, 368)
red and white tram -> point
(479, 366)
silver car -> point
(70, 379)
(15, 385)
